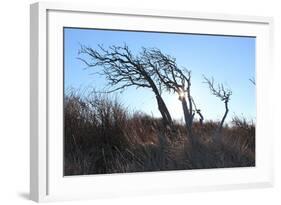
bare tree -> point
(123, 69)
(224, 95)
(173, 79)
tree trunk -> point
(164, 111)
(188, 119)
(167, 119)
(218, 132)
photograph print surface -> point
(151, 101)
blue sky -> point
(229, 59)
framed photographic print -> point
(128, 101)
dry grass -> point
(102, 137)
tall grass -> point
(101, 136)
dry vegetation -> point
(101, 136)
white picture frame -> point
(47, 182)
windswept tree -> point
(224, 95)
(123, 69)
(170, 77)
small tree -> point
(122, 69)
(224, 95)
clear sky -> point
(229, 59)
